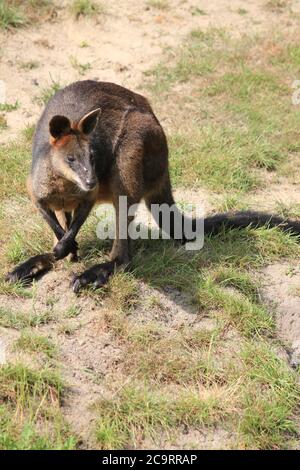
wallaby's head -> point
(71, 155)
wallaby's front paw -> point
(97, 276)
(64, 248)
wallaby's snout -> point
(71, 154)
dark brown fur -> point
(121, 147)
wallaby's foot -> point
(32, 268)
(97, 276)
(64, 248)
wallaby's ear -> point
(59, 126)
(88, 122)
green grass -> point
(10, 16)
(30, 416)
(31, 342)
(80, 67)
(270, 400)
(14, 161)
(7, 107)
(162, 263)
(158, 4)
(17, 13)
(248, 317)
(87, 8)
(256, 394)
(195, 11)
(28, 132)
(156, 357)
(48, 92)
(137, 411)
(241, 123)
(18, 320)
(3, 122)
(14, 290)
(29, 65)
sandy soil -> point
(122, 44)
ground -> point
(189, 350)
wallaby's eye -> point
(70, 159)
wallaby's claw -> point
(31, 269)
(97, 276)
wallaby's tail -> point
(214, 223)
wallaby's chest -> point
(64, 195)
(57, 192)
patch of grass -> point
(14, 290)
(30, 240)
(67, 329)
(29, 402)
(28, 132)
(137, 412)
(20, 385)
(161, 263)
(3, 122)
(204, 158)
(7, 107)
(288, 210)
(192, 60)
(18, 320)
(270, 401)
(248, 317)
(158, 4)
(123, 291)
(10, 16)
(84, 44)
(73, 311)
(249, 248)
(195, 11)
(179, 358)
(239, 280)
(86, 8)
(231, 202)
(48, 92)
(29, 65)
(242, 11)
(14, 161)
(80, 67)
(240, 119)
(31, 342)
(16, 13)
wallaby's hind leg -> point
(31, 269)
(162, 194)
(65, 220)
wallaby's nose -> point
(90, 183)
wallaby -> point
(94, 142)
